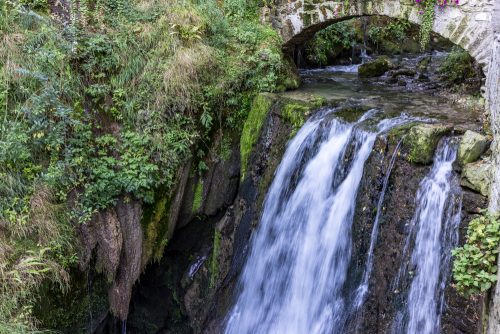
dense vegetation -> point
(344, 40)
(104, 99)
(475, 264)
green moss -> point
(155, 223)
(251, 129)
(214, 263)
(398, 132)
(294, 114)
(374, 68)
(422, 141)
(198, 196)
(70, 312)
(295, 108)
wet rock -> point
(477, 176)
(422, 77)
(423, 63)
(102, 235)
(473, 203)
(392, 80)
(374, 68)
(471, 147)
(403, 72)
(422, 141)
(129, 214)
(160, 218)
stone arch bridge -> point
(468, 24)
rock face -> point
(478, 176)
(471, 147)
(196, 278)
(193, 286)
(116, 237)
(384, 300)
(374, 68)
(422, 141)
(493, 98)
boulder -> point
(471, 147)
(422, 141)
(374, 68)
(477, 176)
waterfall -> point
(436, 219)
(294, 276)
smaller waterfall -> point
(363, 287)
(436, 222)
(124, 326)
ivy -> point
(474, 267)
(428, 13)
(427, 22)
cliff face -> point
(193, 286)
(196, 278)
(115, 236)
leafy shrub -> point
(475, 267)
(114, 103)
(394, 30)
(458, 67)
(330, 41)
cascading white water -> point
(436, 219)
(296, 270)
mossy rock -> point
(422, 141)
(72, 311)
(472, 145)
(251, 129)
(395, 134)
(296, 108)
(351, 114)
(293, 107)
(374, 68)
(155, 223)
(391, 48)
(478, 176)
(423, 64)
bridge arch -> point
(467, 24)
